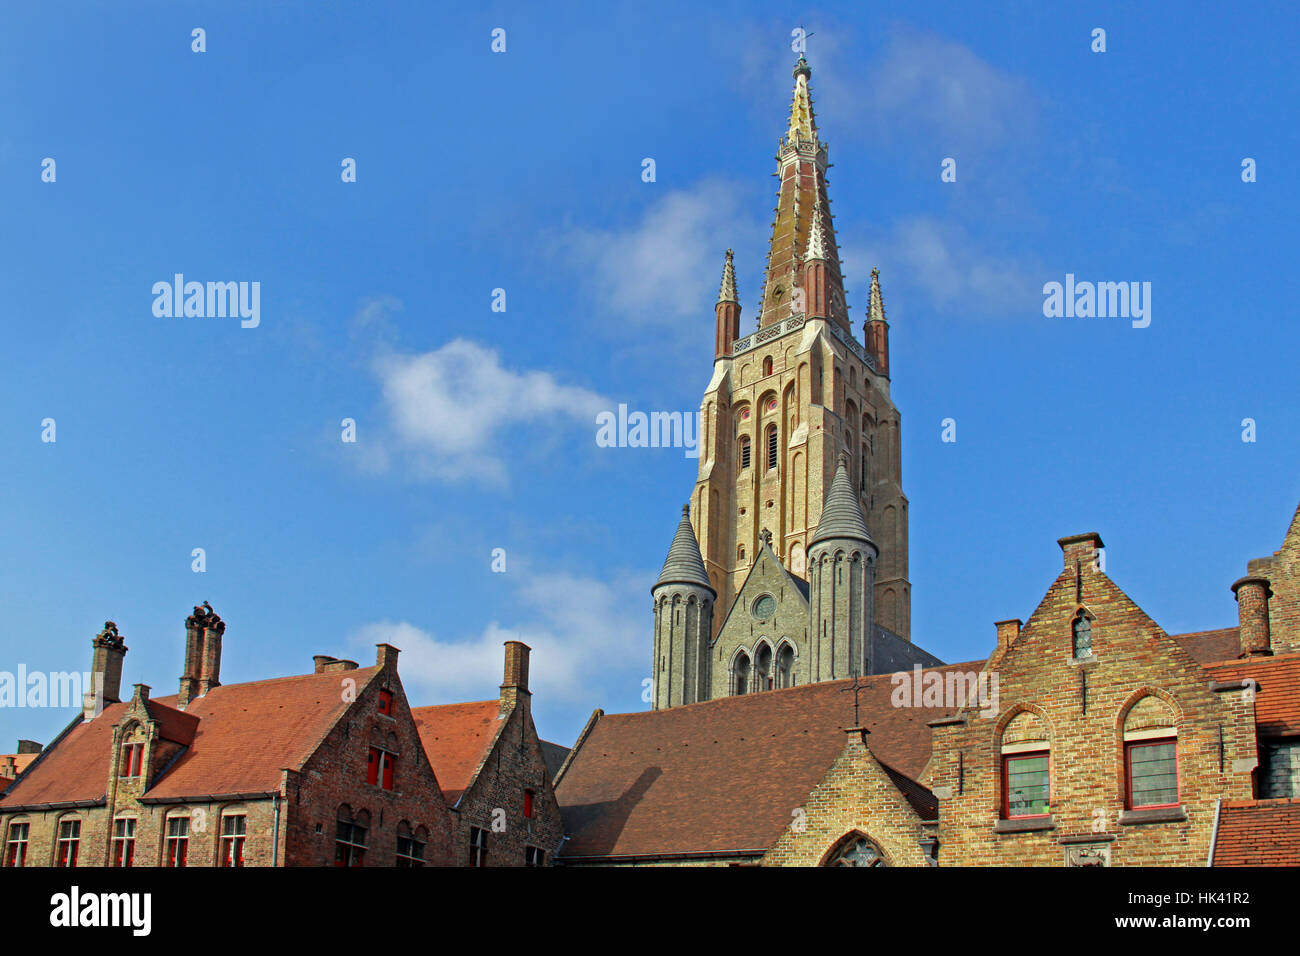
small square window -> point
(386, 702)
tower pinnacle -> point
(727, 293)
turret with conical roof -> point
(841, 584)
(683, 606)
(728, 311)
(876, 330)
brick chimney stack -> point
(1252, 616)
(203, 633)
(29, 747)
(106, 666)
(514, 688)
(1008, 631)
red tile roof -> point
(1277, 699)
(456, 738)
(1259, 833)
(725, 775)
(75, 768)
(1208, 647)
(239, 737)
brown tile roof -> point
(75, 768)
(1207, 647)
(456, 738)
(725, 775)
(1259, 833)
(1277, 700)
(240, 737)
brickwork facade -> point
(1087, 705)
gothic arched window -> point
(767, 365)
(1082, 636)
(856, 850)
(740, 678)
(785, 666)
(744, 451)
(771, 446)
(763, 667)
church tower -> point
(789, 400)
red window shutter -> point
(389, 760)
(385, 702)
(528, 803)
(372, 766)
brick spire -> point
(728, 312)
(876, 329)
(804, 229)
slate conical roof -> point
(684, 564)
(842, 515)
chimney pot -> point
(514, 686)
(1252, 594)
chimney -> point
(1252, 616)
(514, 688)
(1081, 549)
(106, 664)
(1008, 631)
(325, 664)
(29, 747)
(210, 667)
(203, 631)
(386, 656)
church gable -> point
(862, 813)
(761, 643)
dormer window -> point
(132, 760)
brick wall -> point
(1082, 706)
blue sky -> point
(522, 170)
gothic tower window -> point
(744, 451)
(771, 446)
(1082, 643)
(785, 666)
(740, 675)
(763, 667)
(767, 365)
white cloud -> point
(584, 633)
(949, 267)
(447, 408)
(668, 264)
(915, 85)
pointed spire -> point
(842, 515)
(816, 233)
(802, 122)
(684, 564)
(727, 293)
(876, 307)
